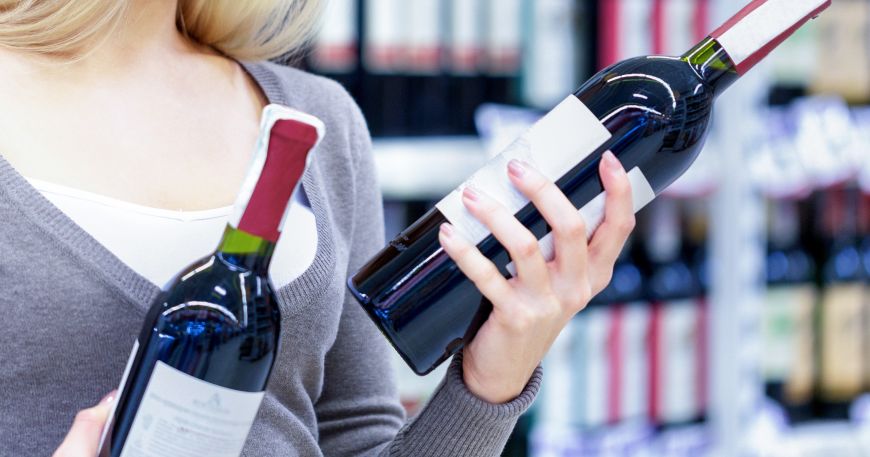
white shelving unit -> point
(425, 169)
(737, 263)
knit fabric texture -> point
(72, 311)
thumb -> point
(83, 437)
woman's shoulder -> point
(344, 156)
(313, 94)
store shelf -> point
(425, 168)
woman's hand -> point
(531, 309)
(83, 437)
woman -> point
(117, 106)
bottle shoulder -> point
(789, 266)
(656, 84)
(673, 280)
(844, 264)
(214, 289)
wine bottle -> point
(427, 107)
(610, 352)
(864, 220)
(550, 63)
(841, 375)
(652, 112)
(385, 91)
(589, 363)
(334, 49)
(697, 255)
(198, 371)
(503, 28)
(787, 317)
(465, 55)
(674, 289)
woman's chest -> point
(177, 156)
(76, 312)
(66, 292)
(157, 243)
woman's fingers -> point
(480, 270)
(619, 221)
(566, 223)
(83, 437)
(581, 269)
(520, 243)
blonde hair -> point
(242, 29)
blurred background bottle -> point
(789, 307)
(841, 317)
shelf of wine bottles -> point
(423, 67)
(445, 84)
(815, 324)
(631, 371)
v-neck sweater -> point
(158, 243)
(71, 311)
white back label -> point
(182, 416)
(553, 146)
(642, 194)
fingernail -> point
(612, 163)
(516, 168)
(109, 397)
(471, 194)
(447, 230)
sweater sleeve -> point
(359, 412)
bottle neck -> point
(286, 140)
(244, 250)
(750, 35)
(712, 64)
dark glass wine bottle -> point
(864, 222)
(673, 288)
(199, 368)
(608, 352)
(652, 112)
(841, 323)
(788, 364)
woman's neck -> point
(147, 116)
(145, 40)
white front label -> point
(760, 27)
(597, 383)
(642, 194)
(339, 27)
(634, 400)
(779, 330)
(554, 145)
(678, 353)
(558, 384)
(182, 416)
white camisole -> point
(158, 243)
